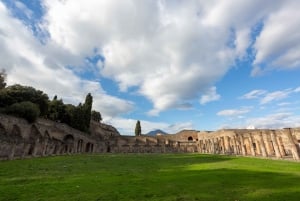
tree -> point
(57, 110)
(138, 129)
(26, 110)
(96, 116)
(87, 110)
(18, 93)
(2, 79)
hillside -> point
(155, 132)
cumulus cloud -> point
(160, 46)
(281, 26)
(29, 62)
(170, 52)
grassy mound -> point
(173, 177)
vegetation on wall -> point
(29, 103)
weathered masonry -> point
(18, 140)
(281, 143)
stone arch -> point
(16, 136)
(35, 138)
(4, 145)
(17, 142)
(68, 144)
(190, 138)
(3, 133)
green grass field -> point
(167, 177)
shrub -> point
(26, 110)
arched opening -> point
(31, 150)
(35, 138)
(16, 139)
(190, 138)
(68, 144)
(88, 147)
(3, 133)
(4, 146)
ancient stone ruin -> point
(281, 143)
(19, 139)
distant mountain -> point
(155, 132)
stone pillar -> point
(262, 145)
(281, 149)
(234, 145)
(251, 145)
(45, 144)
(226, 144)
(267, 144)
(25, 150)
(242, 145)
(213, 146)
(223, 145)
(35, 146)
(12, 151)
(293, 144)
(276, 148)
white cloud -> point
(209, 96)
(277, 120)
(276, 95)
(242, 42)
(28, 62)
(159, 46)
(254, 94)
(297, 90)
(284, 104)
(172, 51)
(279, 41)
(233, 112)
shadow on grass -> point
(143, 177)
(218, 184)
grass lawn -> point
(167, 177)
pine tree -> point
(87, 111)
(138, 129)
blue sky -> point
(174, 65)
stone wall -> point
(281, 143)
(18, 140)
